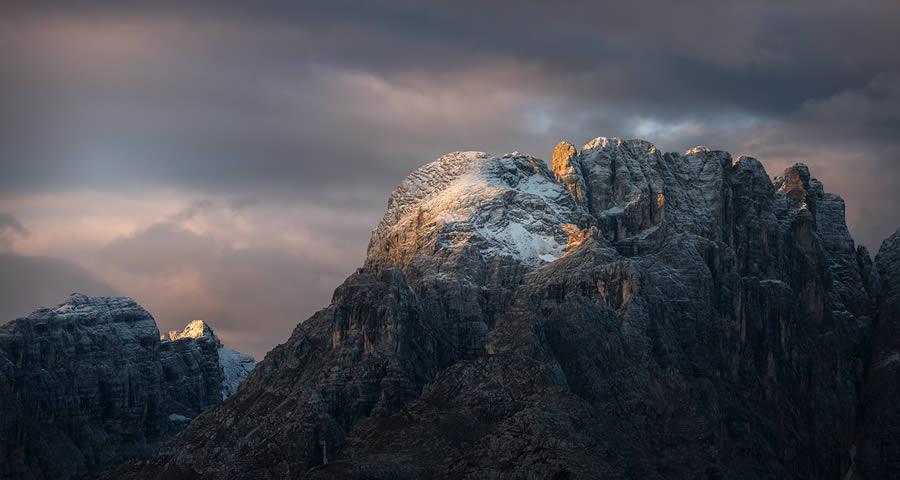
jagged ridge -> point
(685, 317)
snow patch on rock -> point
(175, 417)
(235, 368)
(195, 329)
(508, 206)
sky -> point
(228, 160)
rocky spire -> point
(195, 329)
(568, 171)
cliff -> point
(89, 384)
(621, 313)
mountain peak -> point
(79, 302)
(508, 206)
(516, 207)
(505, 309)
(195, 329)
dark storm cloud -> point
(239, 110)
(237, 95)
(739, 50)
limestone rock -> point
(89, 384)
(877, 449)
(626, 313)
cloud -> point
(252, 296)
(306, 97)
(10, 228)
(169, 146)
(30, 282)
(253, 268)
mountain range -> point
(619, 313)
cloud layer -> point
(227, 160)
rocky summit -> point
(90, 384)
(620, 313)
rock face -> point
(89, 384)
(877, 448)
(625, 313)
(222, 368)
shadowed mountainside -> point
(90, 383)
(622, 313)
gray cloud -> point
(253, 297)
(30, 282)
(246, 110)
(10, 228)
(242, 97)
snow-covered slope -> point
(235, 367)
(503, 206)
(517, 208)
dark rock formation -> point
(89, 384)
(625, 314)
(878, 445)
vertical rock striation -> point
(89, 384)
(877, 448)
(625, 313)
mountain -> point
(621, 313)
(234, 365)
(91, 383)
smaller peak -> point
(891, 244)
(794, 177)
(697, 149)
(800, 187)
(72, 303)
(800, 168)
(744, 160)
(195, 329)
(76, 299)
(563, 153)
(751, 165)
